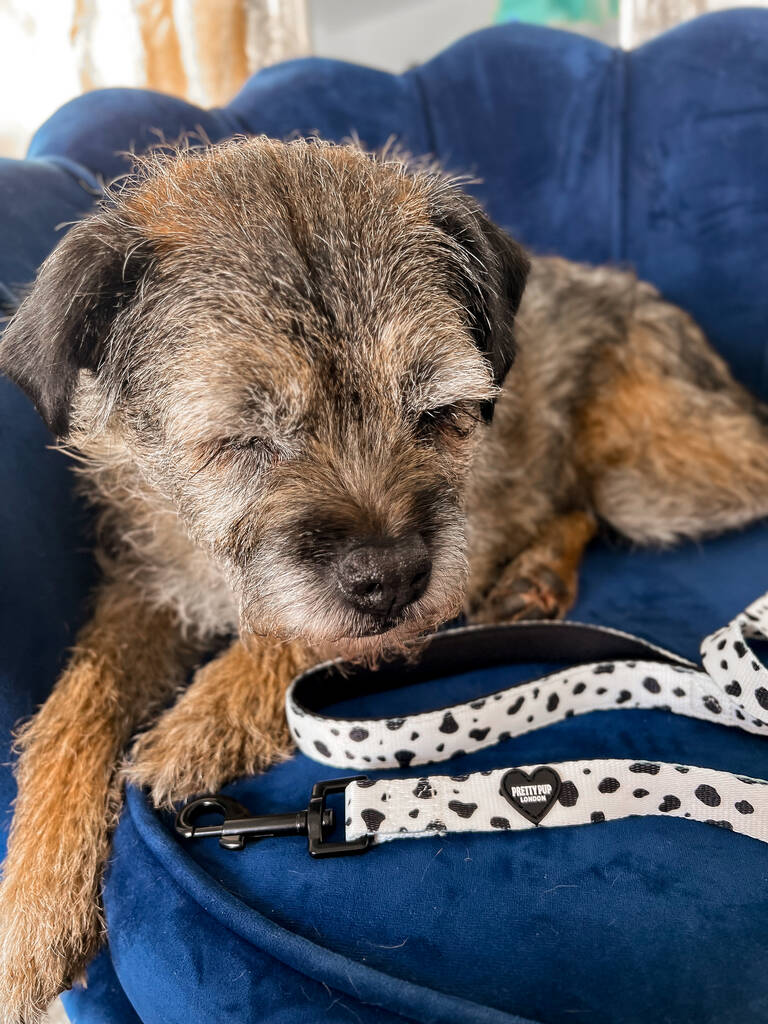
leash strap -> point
(731, 689)
(623, 671)
(606, 670)
(569, 793)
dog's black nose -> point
(382, 577)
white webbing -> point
(731, 688)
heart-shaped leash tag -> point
(532, 795)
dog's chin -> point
(362, 638)
(380, 642)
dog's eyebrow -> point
(453, 377)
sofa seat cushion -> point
(611, 922)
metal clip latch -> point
(239, 824)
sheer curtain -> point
(640, 20)
(202, 50)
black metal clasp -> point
(239, 824)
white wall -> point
(393, 34)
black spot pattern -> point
(365, 783)
(623, 697)
(597, 816)
(319, 745)
(404, 757)
(568, 794)
(712, 704)
(477, 704)
(720, 824)
(639, 793)
(682, 769)
(436, 826)
(357, 734)
(740, 648)
(761, 695)
(424, 790)
(463, 810)
(414, 813)
(372, 818)
(479, 734)
(669, 803)
(515, 706)
(414, 736)
(395, 723)
(500, 823)
(652, 685)
(708, 795)
(644, 767)
(579, 688)
(679, 691)
(449, 723)
(609, 785)
(552, 701)
(744, 807)
(734, 688)
(604, 669)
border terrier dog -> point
(283, 370)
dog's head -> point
(299, 344)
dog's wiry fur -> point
(262, 352)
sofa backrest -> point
(655, 158)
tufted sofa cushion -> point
(656, 158)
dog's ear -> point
(63, 324)
(490, 270)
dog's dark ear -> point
(63, 324)
(490, 270)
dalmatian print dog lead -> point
(731, 688)
(618, 671)
(572, 793)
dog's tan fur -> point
(259, 351)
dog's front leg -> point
(229, 722)
(127, 660)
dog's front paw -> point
(539, 593)
(184, 755)
(44, 947)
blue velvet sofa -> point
(657, 159)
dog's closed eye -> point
(459, 419)
(258, 452)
